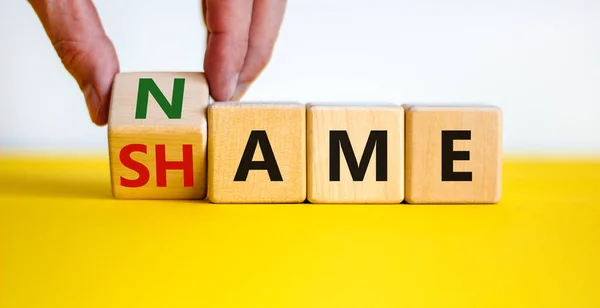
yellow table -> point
(64, 242)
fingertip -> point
(231, 88)
(267, 17)
(240, 91)
(228, 23)
(217, 93)
(222, 84)
(101, 118)
(96, 108)
(77, 35)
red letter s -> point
(127, 161)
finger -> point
(203, 3)
(228, 23)
(267, 16)
(75, 30)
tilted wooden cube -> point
(257, 152)
(355, 153)
(453, 154)
(157, 135)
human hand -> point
(241, 37)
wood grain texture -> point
(230, 127)
(358, 120)
(157, 129)
(424, 126)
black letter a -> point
(246, 164)
(339, 139)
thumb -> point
(75, 30)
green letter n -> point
(147, 85)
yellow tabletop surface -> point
(65, 242)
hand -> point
(241, 37)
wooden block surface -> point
(453, 154)
(257, 152)
(338, 169)
(157, 135)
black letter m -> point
(339, 139)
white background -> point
(539, 60)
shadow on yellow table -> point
(65, 242)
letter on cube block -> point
(453, 154)
(257, 153)
(355, 153)
(157, 135)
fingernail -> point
(232, 86)
(92, 100)
(239, 92)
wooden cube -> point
(355, 153)
(157, 135)
(453, 154)
(257, 152)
